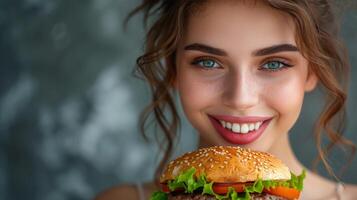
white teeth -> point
(257, 125)
(244, 128)
(251, 127)
(236, 128)
(228, 125)
(240, 128)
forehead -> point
(233, 25)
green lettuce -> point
(187, 181)
(190, 184)
(297, 182)
(231, 194)
(159, 196)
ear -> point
(311, 81)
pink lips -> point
(237, 138)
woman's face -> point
(240, 77)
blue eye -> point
(274, 66)
(206, 63)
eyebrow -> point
(275, 49)
(260, 52)
(206, 49)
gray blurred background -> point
(69, 103)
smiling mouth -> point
(242, 128)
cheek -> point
(286, 96)
(195, 94)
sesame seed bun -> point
(226, 164)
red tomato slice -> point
(289, 193)
(165, 188)
(222, 188)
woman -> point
(241, 69)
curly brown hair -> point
(323, 49)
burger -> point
(228, 173)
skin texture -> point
(238, 85)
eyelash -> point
(205, 58)
(284, 64)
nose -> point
(240, 91)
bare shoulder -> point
(350, 191)
(127, 191)
(119, 192)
